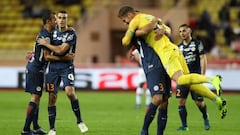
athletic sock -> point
(203, 91)
(29, 115)
(76, 110)
(149, 116)
(192, 78)
(203, 110)
(139, 95)
(183, 115)
(148, 97)
(162, 121)
(35, 118)
(52, 116)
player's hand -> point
(159, 33)
(42, 41)
(70, 56)
(71, 28)
(29, 56)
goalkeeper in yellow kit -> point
(146, 25)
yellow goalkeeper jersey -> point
(168, 52)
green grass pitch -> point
(113, 113)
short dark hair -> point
(62, 11)
(46, 15)
(184, 25)
(124, 10)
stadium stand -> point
(17, 34)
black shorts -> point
(54, 78)
(159, 82)
(182, 92)
(34, 82)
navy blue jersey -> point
(150, 60)
(38, 62)
(157, 78)
(68, 37)
(191, 53)
(36, 66)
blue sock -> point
(149, 116)
(52, 116)
(183, 115)
(35, 118)
(162, 121)
(30, 114)
(76, 110)
(204, 111)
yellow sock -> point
(203, 91)
(192, 78)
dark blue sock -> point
(162, 121)
(35, 118)
(204, 111)
(29, 116)
(149, 116)
(52, 116)
(76, 110)
(183, 115)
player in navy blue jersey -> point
(159, 85)
(35, 74)
(35, 77)
(63, 41)
(194, 54)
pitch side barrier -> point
(110, 78)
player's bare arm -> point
(158, 26)
(167, 30)
(203, 62)
(61, 49)
(49, 57)
(29, 55)
(148, 28)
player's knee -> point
(71, 94)
(200, 103)
(148, 92)
(157, 99)
(139, 91)
(182, 101)
(164, 105)
(141, 85)
(35, 98)
(52, 99)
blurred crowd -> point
(205, 29)
(34, 8)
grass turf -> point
(113, 113)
